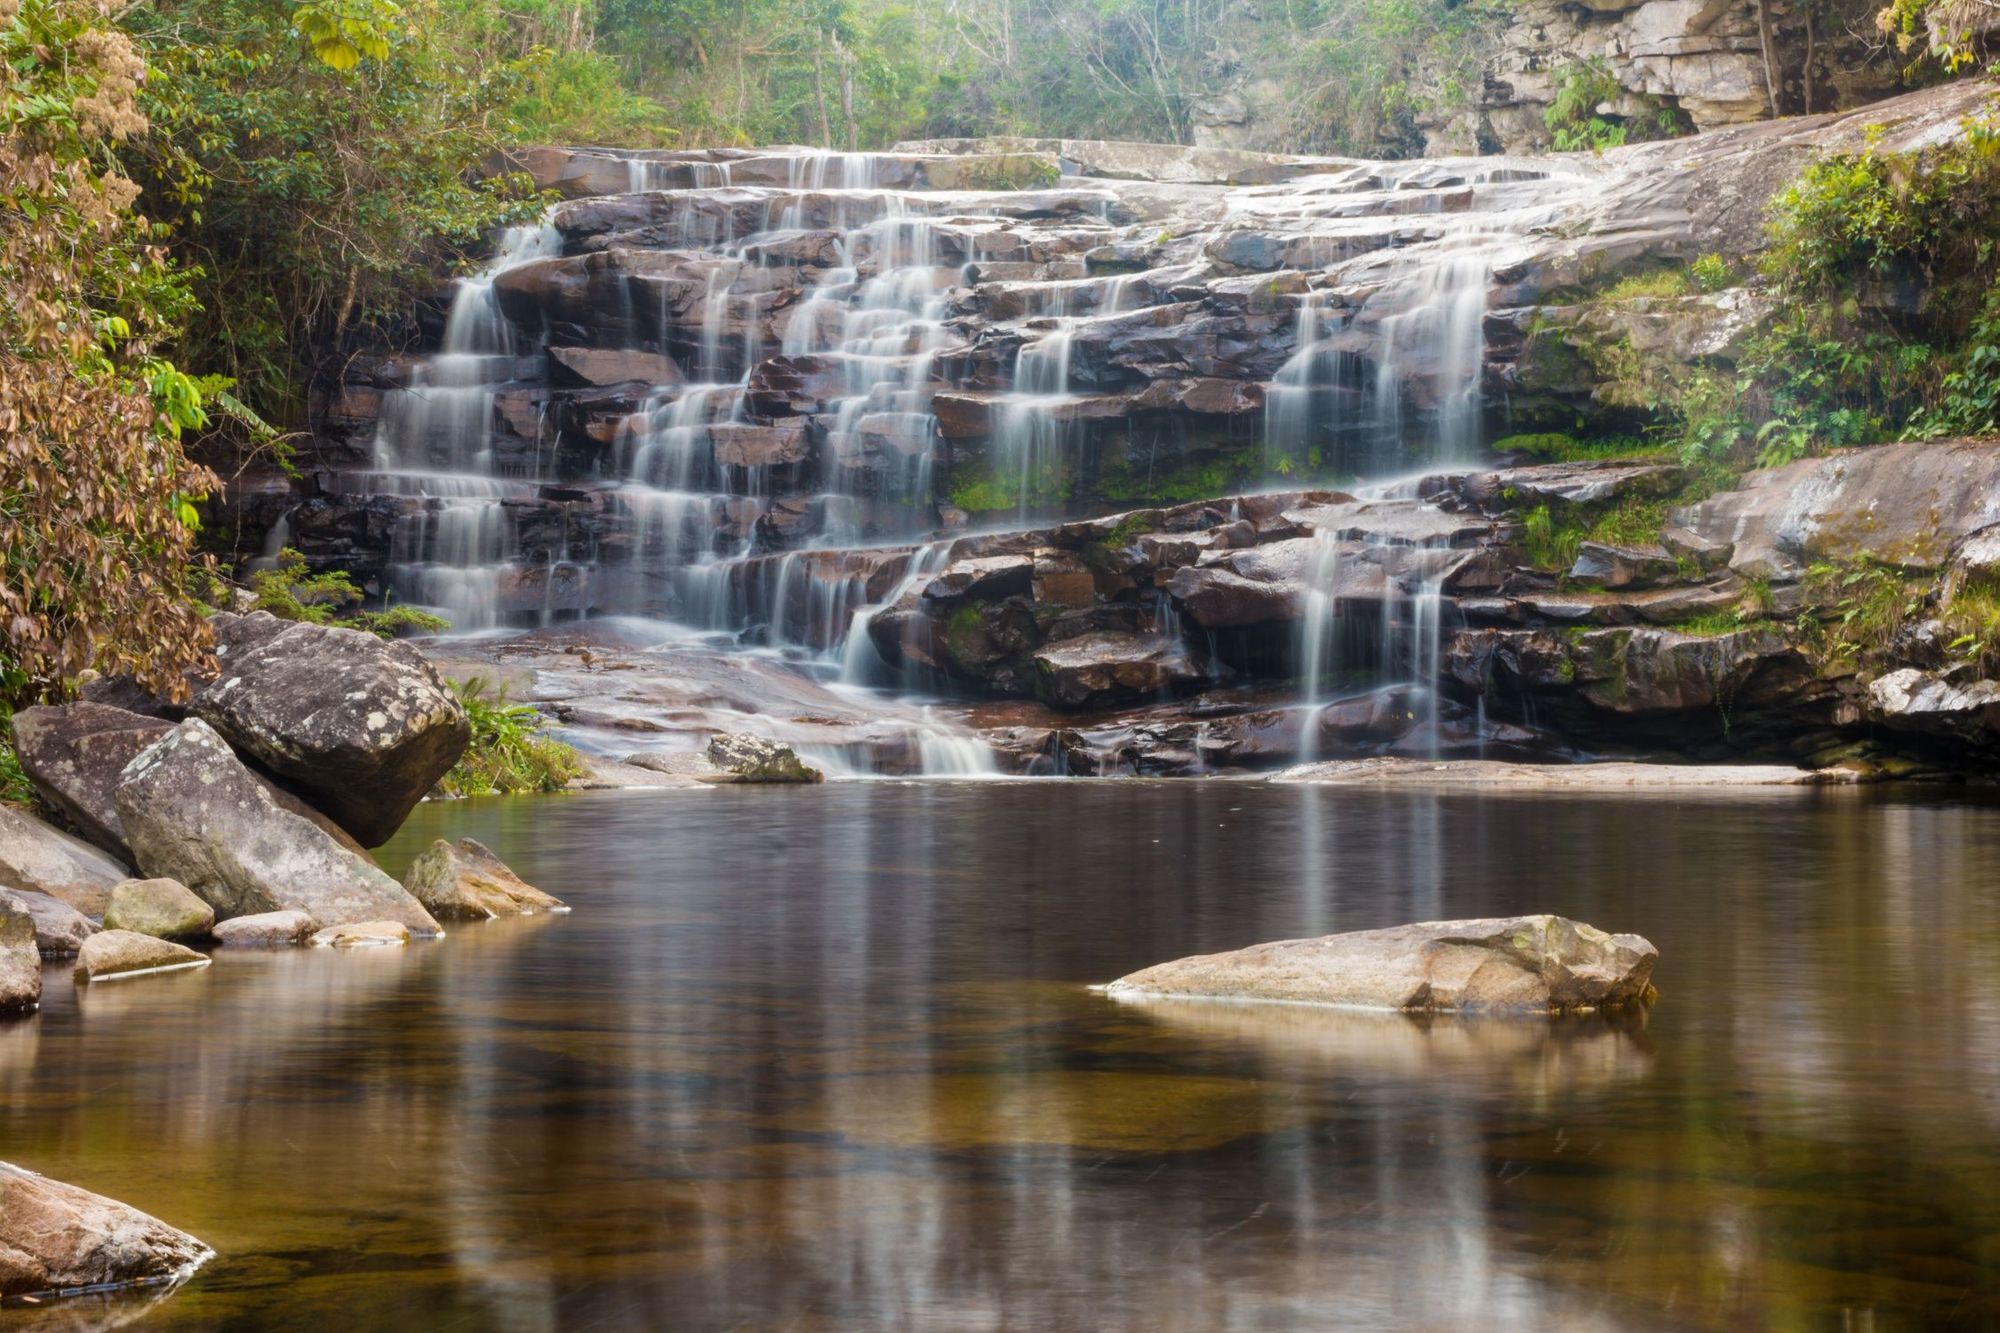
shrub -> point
(289, 591)
(506, 754)
(97, 522)
(1711, 273)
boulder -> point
(20, 972)
(744, 758)
(193, 812)
(1521, 964)
(160, 907)
(986, 578)
(1903, 504)
(125, 953)
(56, 1237)
(1918, 702)
(73, 753)
(364, 727)
(266, 930)
(76, 753)
(41, 859)
(363, 935)
(60, 929)
(464, 879)
(1106, 668)
(1610, 566)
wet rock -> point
(1903, 504)
(1523, 964)
(119, 953)
(1104, 669)
(60, 929)
(73, 753)
(465, 879)
(1610, 566)
(42, 859)
(1568, 483)
(612, 365)
(363, 726)
(1585, 778)
(1215, 597)
(1927, 704)
(20, 974)
(363, 935)
(56, 1237)
(746, 758)
(265, 930)
(988, 578)
(194, 813)
(162, 907)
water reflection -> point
(826, 1058)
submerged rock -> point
(56, 1237)
(465, 879)
(60, 929)
(20, 972)
(745, 758)
(36, 857)
(266, 930)
(1520, 964)
(366, 727)
(165, 908)
(194, 813)
(112, 953)
(363, 935)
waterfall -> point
(1034, 440)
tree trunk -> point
(819, 91)
(1772, 80)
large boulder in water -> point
(1107, 668)
(1519, 964)
(193, 812)
(56, 1237)
(365, 727)
(41, 859)
(464, 879)
(20, 974)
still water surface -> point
(825, 1058)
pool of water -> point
(825, 1058)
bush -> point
(289, 591)
(97, 521)
(1711, 273)
(506, 754)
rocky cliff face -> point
(1671, 66)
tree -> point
(97, 524)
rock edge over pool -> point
(1517, 964)
(56, 1237)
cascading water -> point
(791, 325)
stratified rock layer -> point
(1522, 964)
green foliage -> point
(1551, 544)
(1711, 273)
(1660, 284)
(1558, 448)
(15, 789)
(1630, 523)
(1572, 117)
(507, 753)
(290, 591)
(313, 166)
(1851, 610)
